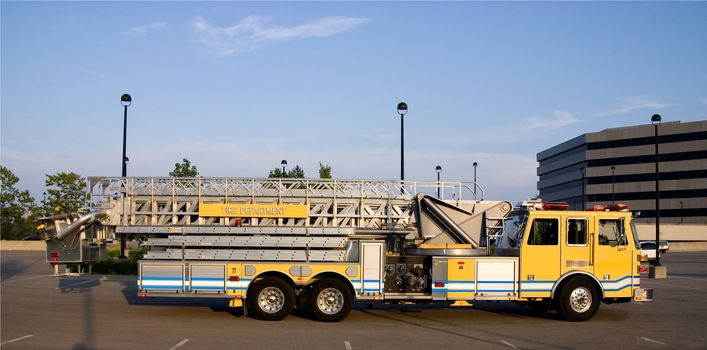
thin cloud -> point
(704, 100)
(633, 103)
(146, 29)
(558, 119)
(253, 32)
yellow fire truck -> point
(271, 245)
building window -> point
(577, 232)
(543, 232)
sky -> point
(236, 87)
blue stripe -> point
(237, 288)
(356, 281)
(208, 279)
(618, 280)
(371, 290)
(538, 281)
(376, 281)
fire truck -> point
(272, 245)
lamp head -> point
(655, 119)
(126, 100)
(402, 108)
(438, 168)
(475, 164)
(284, 162)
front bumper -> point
(643, 294)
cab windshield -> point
(634, 233)
(513, 227)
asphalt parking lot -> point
(40, 311)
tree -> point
(295, 172)
(18, 213)
(184, 169)
(66, 192)
(324, 171)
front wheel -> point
(330, 300)
(579, 300)
(270, 299)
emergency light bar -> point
(556, 206)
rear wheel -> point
(330, 300)
(579, 300)
(270, 299)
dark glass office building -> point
(618, 165)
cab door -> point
(576, 246)
(540, 256)
(613, 257)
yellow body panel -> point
(460, 279)
(248, 272)
(254, 210)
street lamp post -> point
(581, 202)
(475, 165)
(613, 191)
(402, 110)
(655, 120)
(126, 100)
(438, 169)
(284, 164)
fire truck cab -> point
(572, 260)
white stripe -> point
(459, 286)
(347, 345)
(17, 339)
(207, 283)
(509, 344)
(241, 284)
(162, 283)
(179, 344)
(653, 341)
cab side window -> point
(609, 231)
(577, 231)
(543, 232)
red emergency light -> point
(556, 206)
(597, 207)
(617, 207)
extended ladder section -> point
(250, 220)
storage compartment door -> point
(372, 267)
(496, 278)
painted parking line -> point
(347, 345)
(179, 344)
(16, 339)
(508, 344)
(26, 278)
(653, 341)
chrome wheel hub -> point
(271, 300)
(330, 301)
(580, 299)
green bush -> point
(115, 266)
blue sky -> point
(238, 86)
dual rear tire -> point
(272, 299)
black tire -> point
(270, 299)
(579, 300)
(330, 300)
